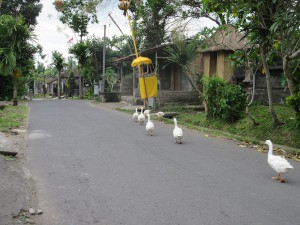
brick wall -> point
(177, 96)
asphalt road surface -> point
(96, 166)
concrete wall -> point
(127, 86)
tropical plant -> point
(184, 53)
(58, 61)
(14, 34)
(111, 79)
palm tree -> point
(58, 61)
(13, 36)
(81, 51)
(183, 54)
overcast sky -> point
(53, 35)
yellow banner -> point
(151, 84)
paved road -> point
(95, 166)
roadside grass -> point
(12, 117)
(287, 133)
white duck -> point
(177, 133)
(135, 115)
(160, 114)
(279, 164)
(149, 126)
(141, 117)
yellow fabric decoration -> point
(140, 60)
(151, 85)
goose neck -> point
(270, 149)
(175, 122)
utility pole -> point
(103, 66)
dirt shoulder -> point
(17, 190)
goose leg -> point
(282, 179)
(276, 178)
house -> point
(52, 83)
(215, 62)
(215, 57)
(173, 85)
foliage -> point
(58, 60)
(77, 14)
(13, 33)
(294, 102)
(182, 52)
(224, 100)
(111, 78)
(243, 129)
(81, 51)
(213, 10)
(6, 87)
(71, 84)
(151, 20)
(29, 10)
(213, 87)
(91, 93)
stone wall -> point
(177, 96)
(278, 92)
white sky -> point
(49, 36)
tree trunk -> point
(80, 86)
(15, 99)
(58, 86)
(252, 97)
(269, 88)
(197, 89)
(288, 75)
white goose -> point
(279, 164)
(177, 133)
(141, 117)
(135, 115)
(149, 126)
(160, 114)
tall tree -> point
(77, 14)
(58, 61)
(29, 9)
(151, 20)
(286, 37)
(81, 51)
(13, 36)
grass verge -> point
(12, 117)
(287, 133)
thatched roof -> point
(226, 39)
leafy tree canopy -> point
(29, 9)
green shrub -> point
(224, 100)
(91, 93)
(233, 101)
(213, 91)
(294, 102)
